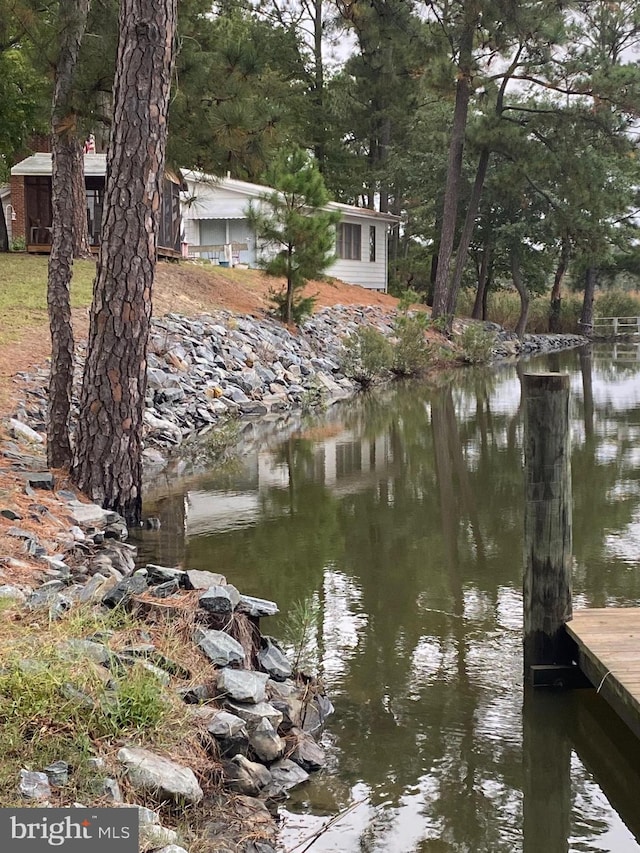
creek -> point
(397, 518)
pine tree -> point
(295, 230)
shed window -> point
(372, 243)
(349, 242)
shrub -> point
(367, 356)
(477, 344)
(302, 305)
(617, 303)
(412, 352)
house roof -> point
(95, 165)
(246, 189)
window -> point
(349, 241)
(372, 243)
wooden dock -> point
(608, 642)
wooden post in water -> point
(547, 526)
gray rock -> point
(95, 588)
(58, 773)
(150, 773)
(219, 647)
(12, 592)
(307, 753)
(111, 790)
(257, 606)
(219, 599)
(254, 714)
(243, 685)
(86, 515)
(22, 431)
(154, 836)
(244, 776)
(123, 591)
(34, 785)
(196, 579)
(265, 742)
(163, 574)
(224, 724)
(272, 659)
(287, 774)
(171, 848)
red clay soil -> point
(181, 288)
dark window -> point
(95, 200)
(349, 242)
(372, 243)
(38, 209)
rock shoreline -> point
(205, 370)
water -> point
(399, 518)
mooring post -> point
(547, 525)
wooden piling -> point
(547, 522)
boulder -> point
(34, 785)
(195, 579)
(154, 774)
(243, 685)
(219, 599)
(254, 714)
(265, 742)
(219, 647)
(307, 753)
(287, 774)
(272, 660)
(244, 776)
(257, 606)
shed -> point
(31, 203)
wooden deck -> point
(608, 643)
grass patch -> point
(55, 705)
(23, 291)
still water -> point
(398, 519)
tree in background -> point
(296, 232)
(69, 235)
(108, 463)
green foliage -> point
(301, 308)
(18, 244)
(477, 344)
(299, 634)
(368, 355)
(296, 232)
(617, 303)
(411, 352)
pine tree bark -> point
(523, 293)
(108, 464)
(555, 306)
(67, 164)
(454, 172)
(586, 317)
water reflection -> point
(402, 515)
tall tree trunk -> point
(81, 247)
(556, 291)
(523, 293)
(480, 303)
(320, 146)
(586, 318)
(108, 464)
(66, 161)
(467, 230)
(454, 172)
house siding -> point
(366, 273)
(222, 204)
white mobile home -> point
(216, 226)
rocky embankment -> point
(252, 723)
(205, 370)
